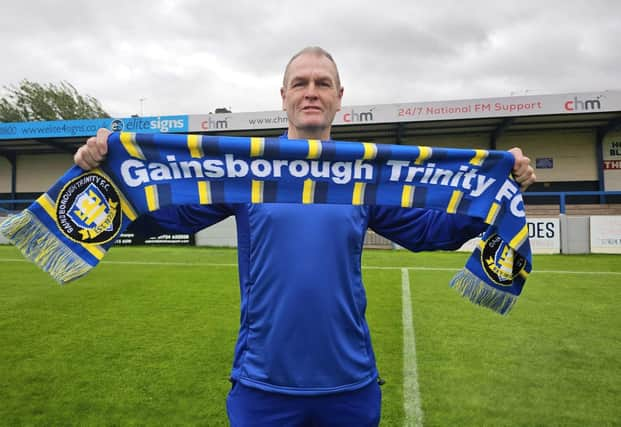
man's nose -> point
(311, 91)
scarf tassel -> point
(481, 293)
(42, 247)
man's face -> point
(311, 96)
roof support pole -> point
(399, 134)
(496, 133)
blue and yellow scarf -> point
(69, 229)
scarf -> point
(69, 229)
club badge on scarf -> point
(69, 229)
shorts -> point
(250, 407)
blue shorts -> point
(248, 407)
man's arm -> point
(188, 219)
(424, 229)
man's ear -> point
(341, 91)
(282, 96)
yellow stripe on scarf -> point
(308, 193)
(478, 158)
(492, 213)
(257, 192)
(257, 146)
(204, 192)
(454, 202)
(407, 196)
(95, 250)
(128, 140)
(153, 201)
(424, 154)
(314, 149)
(519, 238)
(48, 205)
(195, 146)
(358, 194)
(370, 151)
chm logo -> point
(500, 262)
(88, 209)
(212, 123)
(358, 116)
(578, 104)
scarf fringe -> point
(42, 247)
(481, 293)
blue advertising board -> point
(73, 128)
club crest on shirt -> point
(500, 262)
(88, 209)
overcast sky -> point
(190, 57)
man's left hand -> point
(522, 171)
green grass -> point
(135, 342)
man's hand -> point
(91, 154)
(522, 171)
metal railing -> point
(563, 195)
(12, 205)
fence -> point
(583, 197)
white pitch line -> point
(365, 267)
(411, 393)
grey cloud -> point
(192, 56)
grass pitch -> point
(147, 338)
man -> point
(304, 356)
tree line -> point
(31, 101)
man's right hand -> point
(91, 154)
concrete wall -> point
(573, 153)
(5, 175)
(38, 173)
(455, 141)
